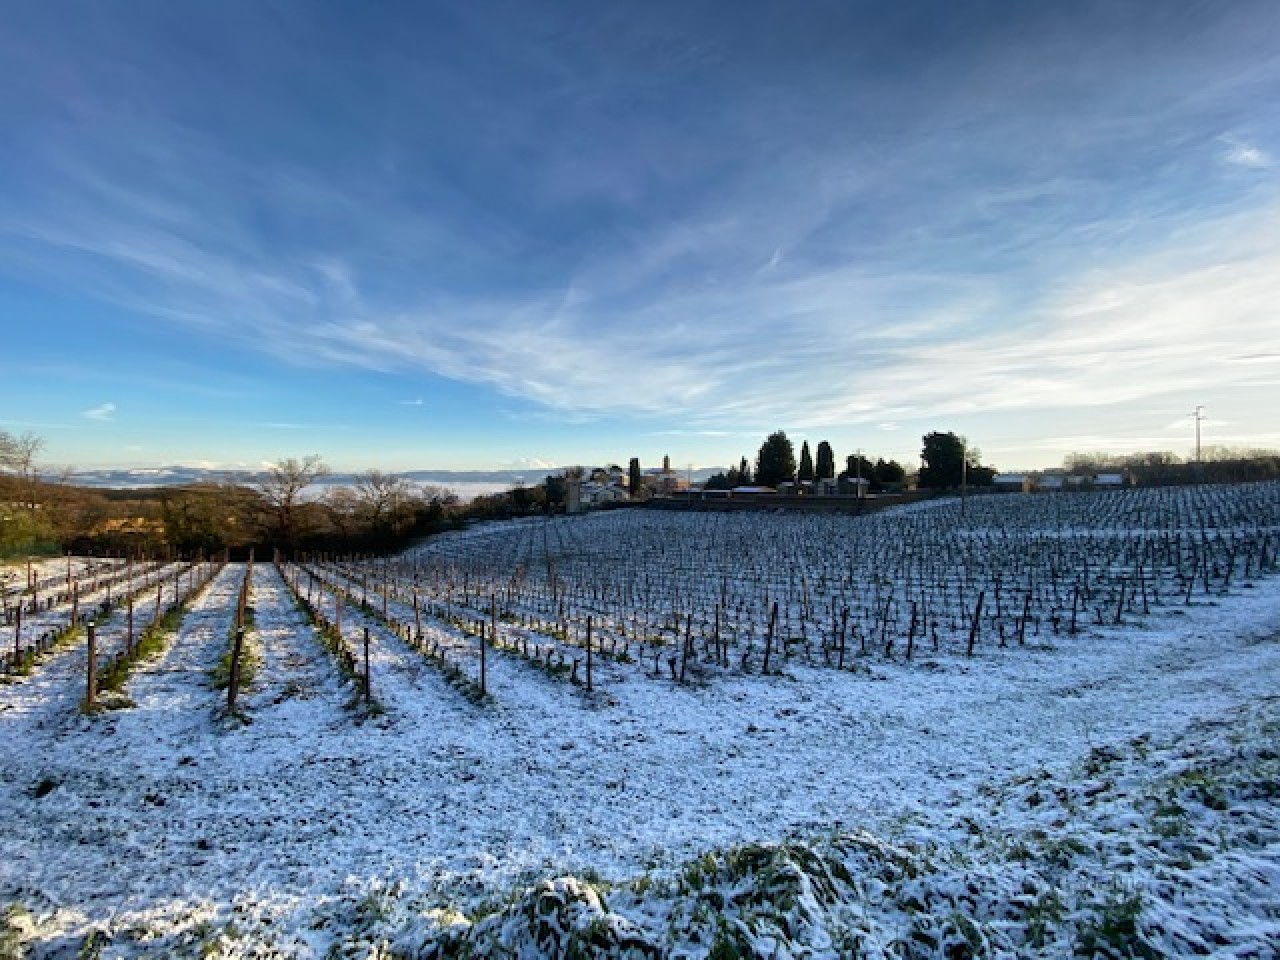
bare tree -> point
(18, 456)
(343, 508)
(282, 489)
(209, 516)
(381, 497)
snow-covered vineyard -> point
(1012, 726)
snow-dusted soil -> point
(15, 575)
(1154, 848)
(100, 596)
(169, 829)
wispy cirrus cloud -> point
(1243, 154)
(104, 413)
(815, 345)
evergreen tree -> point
(806, 463)
(856, 465)
(826, 466)
(744, 473)
(776, 462)
(947, 458)
(557, 491)
(889, 473)
(633, 476)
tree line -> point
(288, 507)
(947, 461)
(1164, 469)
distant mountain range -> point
(183, 476)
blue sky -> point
(470, 235)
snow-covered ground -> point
(173, 829)
(16, 576)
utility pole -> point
(1196, 413)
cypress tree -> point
(826, 466)
(806, 463)
(776, 462)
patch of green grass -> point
(701, 872)
(1202, 787)
(1061, 851)
(250, 658)
(1042, 915)
(1114, 930)
(728, 944)
(152, 643)
(91, 947)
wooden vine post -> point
(715, 642)
(976, 624)
(768, 640)
(368, 683)
(687, 650)
(493, 618)
(242, 600)
(589, 686)
(91, 676)
(844, 634)
(233, 683)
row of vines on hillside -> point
(687, 595)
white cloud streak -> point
(810, 347)
(1243, 154)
